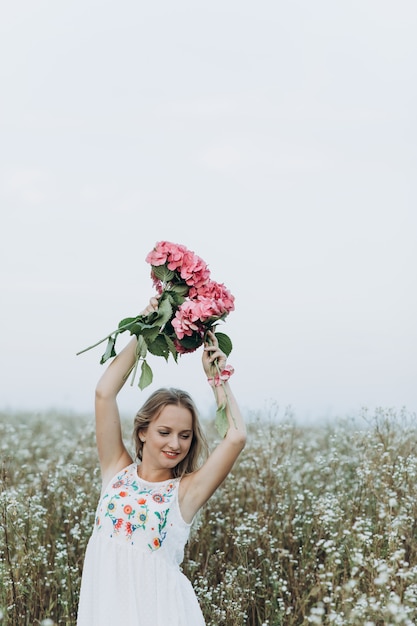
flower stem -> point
(224, 389)
(116, 332)
(134, 369)
(228, 404)
(94, 345)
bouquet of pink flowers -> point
(190, 304)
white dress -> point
(131, 574)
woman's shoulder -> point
(125, 466)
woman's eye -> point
(161, 432)
(185, 436)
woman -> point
(132, 573)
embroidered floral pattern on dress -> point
(133, 515)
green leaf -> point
(133, 324)
(141, 347)
(159, 347)
(164, 310)
(146, 376)
(110, 351)
(191, 343)
(163, 273)
(147, 320)
(176, 299)
(136, 328)
(225, 343)
(128, 321)
(150, 334)
(171, 347)
(221, 422)
(181, 289)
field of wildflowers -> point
(317, 524)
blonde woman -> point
(132, 574)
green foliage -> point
(225, 343)
(110, 350)
(163, 273)
(146, 376)
(159, 347)
(141, 347)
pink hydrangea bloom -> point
(193, 314)
(216, 291)
(159, 254)
(207, 301)
(206, 308)
(194, 270)
(185, 320)
(190, 267)
(176, 255)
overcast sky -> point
(277, 140)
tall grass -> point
(316, 525)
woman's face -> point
(168, 438)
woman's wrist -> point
(221, 377)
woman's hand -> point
(152, 306)
(210, 354)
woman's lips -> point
(170, 455)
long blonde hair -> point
(152, 408)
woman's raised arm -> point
(111, 449)
(200, 486)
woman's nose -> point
(174, 443)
